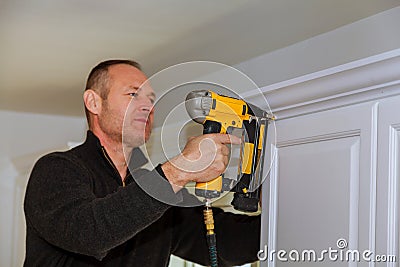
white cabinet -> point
(332, 198)
(388, 182)
(323, 182)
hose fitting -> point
(209, 221)
(211, 237)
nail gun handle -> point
(213, 188)
(212, 127)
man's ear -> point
(92, 101)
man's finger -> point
(225, 150)
(227, 139)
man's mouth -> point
(143, 120)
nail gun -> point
(224, 114)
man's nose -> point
(145, 103)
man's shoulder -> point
(56, 155)
(65, 158)
(57, 168)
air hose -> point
(211, 238)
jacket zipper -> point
(113, 166)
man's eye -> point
(133, 94)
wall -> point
(367, 37)
(24, 137)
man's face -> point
(127, 113)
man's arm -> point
(61, 207)
(238, 237)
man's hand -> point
(204, 158)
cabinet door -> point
(319, 202)
(388, 182)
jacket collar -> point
(137, 160)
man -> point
(94, 206)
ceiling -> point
(49, 46)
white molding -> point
(354, 197)
(373, 180)
(273, 207)
(319, 138)
(393, 194)
(359, 81)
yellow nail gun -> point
(223, 114)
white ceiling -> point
(49, 46)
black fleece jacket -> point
(78, 213)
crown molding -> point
(359, 81)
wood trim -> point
(373, 180)
(319, 138)
(273, 207)
(354, 195)
(393, 194)
(359, 81)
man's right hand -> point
(204, 158)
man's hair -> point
(99, 80)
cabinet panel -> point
(388, 189)
(318, 193)
(321, 188)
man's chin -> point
(132, 143)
